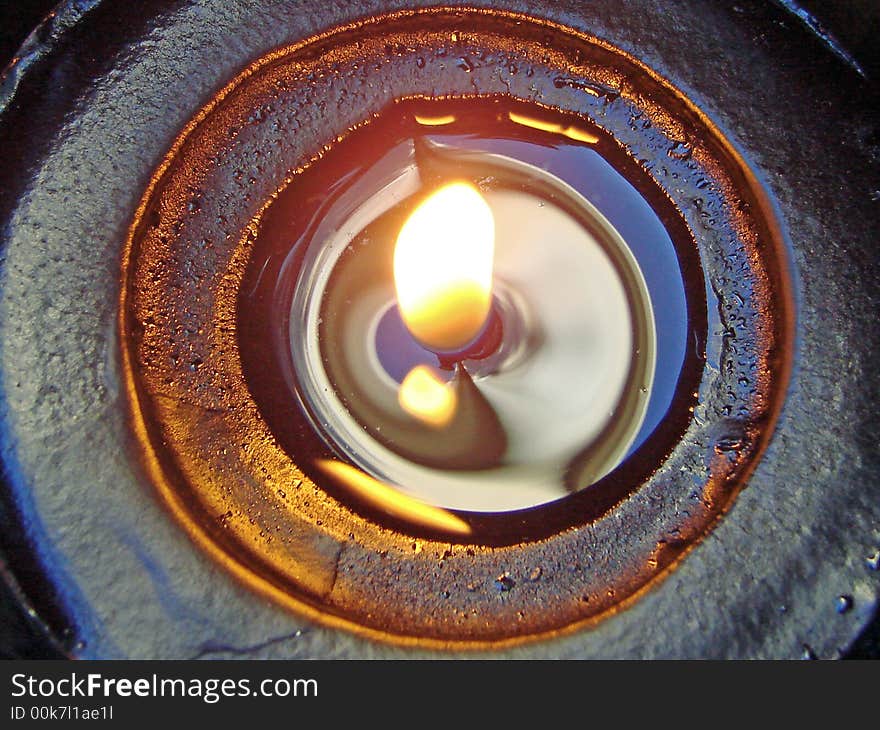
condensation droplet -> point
(726, 445)
(593, 88)
(680, 150)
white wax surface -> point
(559, 398)
(553, 403)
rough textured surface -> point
(226, 454)
(765, 583)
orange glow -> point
(391, 501)
(571, 131)
(435, 121)
(443, 267)
(427, 397)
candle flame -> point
(443, 267)
(427, 397)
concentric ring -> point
(217, 462)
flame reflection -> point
(428, 397)
(435, 121)
(571, 131)
(391, 501)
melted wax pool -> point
(326, 199)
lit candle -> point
(509, 426)
(465, 327)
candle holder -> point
(90, 109)
(252, 369)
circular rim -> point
(798, 501)
(176, 309)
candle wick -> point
(484, 345)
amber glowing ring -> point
(522, 575)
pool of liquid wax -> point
(586, 169)
(585, 158)
(572, 388)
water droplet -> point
(282, 494)
(873, 561)
(504, 583)
(420, 62)
(726, 445)
(843, 603)
(444, 594)
(680, 150)
(465, 64)
(593, 88)
(535, 575)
